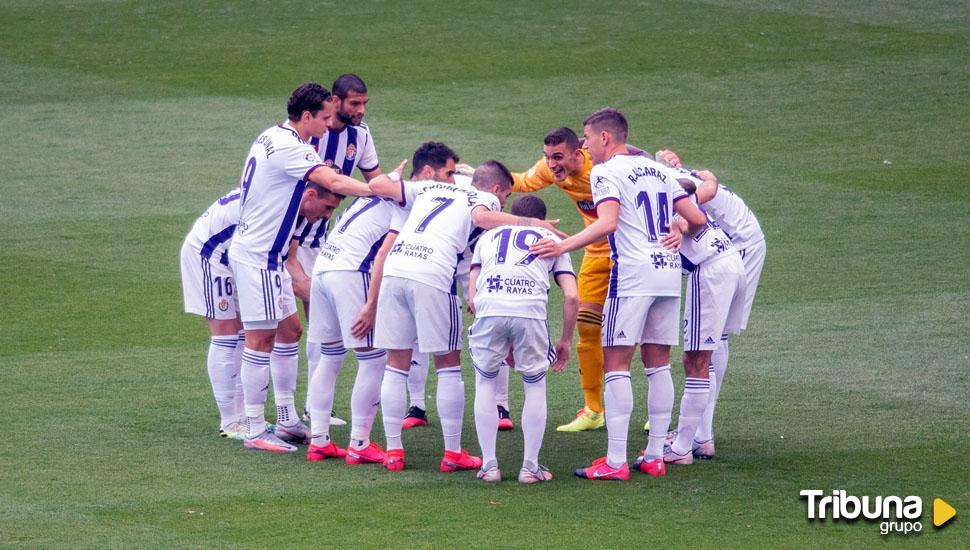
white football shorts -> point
(715, 302)
(207, 287)
(336, 298)
(490, 338)
(753, 258)
(641, 320)
(408, 309)
(265, 297)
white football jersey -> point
(272, 184)
(735, 218)
(464, 264)
(436, 231)
(709, 243)
(343, 150)
(513, 282)
(213, 230)
(646, 191)
(356, 236)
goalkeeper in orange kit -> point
(567, 165)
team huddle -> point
(382, 280)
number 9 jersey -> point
(646, 191)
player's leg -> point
(618, 406)
(364, 400)
(417, 379)
(502, 394)
(284, 364)
(223, 372)
(395, 332)
(261, 306)
(485, 336)
(593, 279)
(692, 405)
(324, 327)
(533, 356)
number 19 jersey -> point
(646, 191)
(513, 282)
(436, 232)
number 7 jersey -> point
(436, 232)
(646, 191)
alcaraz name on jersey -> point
(646, 191)
(436, 231)
(273, 181)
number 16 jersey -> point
(646, 192)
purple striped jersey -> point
(356, 236)
(213, 230)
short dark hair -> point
(431, 153)
(608, 119)
(308, 97)
(348, 82)
(562, 135)
(529, 206)
(491, 173)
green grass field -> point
(845, 126)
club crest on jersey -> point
(329, 164)
(494, 283)
(223, 305)
(351, 151)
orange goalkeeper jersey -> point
(575, 186)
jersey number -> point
(223, 284)
(443, 203)
(372, 202)
(505, 237)
(247, 178)
(660, 225)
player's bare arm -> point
(488, 219)
(301, 282)
(608, 213)
(389, 185)
(706, 190)
(330, 180)
(472, 287)
(570, 309)
(365, 320)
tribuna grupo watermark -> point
(899, 515)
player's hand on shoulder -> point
(551, 226)
(705, 175)
(465, 169)
(546, 248)
(668, 157)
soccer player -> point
(345, 297)
(280, 164)
(633, 197)
(715, 302)
(346, 144)
(208, 288)
(567, 165)
(417, 297)
(734, 217)
(508, 291)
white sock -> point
(284, 363)
(255, 379)
(312, 360)
(618, 405)
(502, 386)
(393, 404)
(366, 396)
(417, 377)
(719, 363)
(322, 387)
(660, 406)
(692, 405)
(486, 416)
(450, 401)
(223, 371)
(237, 379)
(705, 429)
(533, 418)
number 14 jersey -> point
(646, 191)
